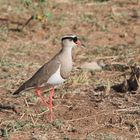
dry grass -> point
(110, 32)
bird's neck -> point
(67, 51)
(66, 61)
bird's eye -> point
(75, 39)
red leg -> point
(51, 96)
(38, 93)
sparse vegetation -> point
(85, 107)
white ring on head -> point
(69, 35)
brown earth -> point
(110, 31)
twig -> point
(91, 117)
(136, 126)
(42, 113)
(8, 107)
(103, 112)
(128, 109)
(30, 114)
(26, 23)
(23, 25)
(108, 57)
(22, 116)
(82, 118)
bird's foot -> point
(51, 105)
(38, 93)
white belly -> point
(56, 78)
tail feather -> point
(27, 85)
(20, 89)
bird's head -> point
(70, 41)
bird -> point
(54, 72)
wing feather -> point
(41, 76)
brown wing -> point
(41, 76)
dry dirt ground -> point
(110, 31)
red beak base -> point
(78, 43)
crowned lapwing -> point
(54, 72)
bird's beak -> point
(79, 44)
